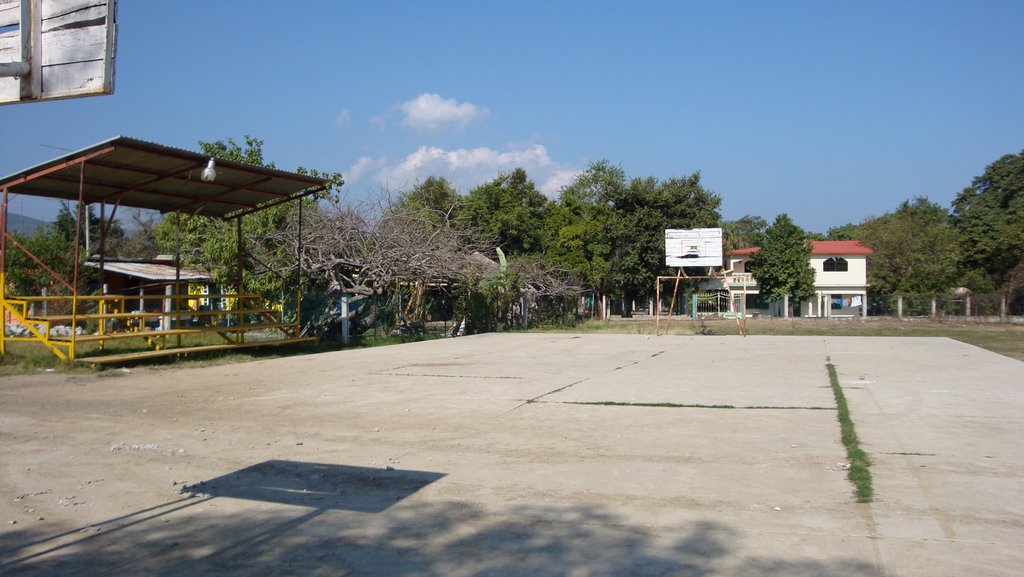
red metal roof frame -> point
(125, 171)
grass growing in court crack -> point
(859, 473)
(685, 406)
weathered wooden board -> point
(10, 12)
(77, 48)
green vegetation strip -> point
(859, 473)
(682, 406)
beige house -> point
(840, 281)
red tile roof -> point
(823, 247)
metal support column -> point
(177, 274)
(241, 278)
(298, 279)
(74, 276)
(3, 272)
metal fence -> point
(999, 307)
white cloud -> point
(343, 117)
(465, 168)
(558, 179)
(430, 111)
(361, 168)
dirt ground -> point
(521, 454)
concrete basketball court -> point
(522, 454)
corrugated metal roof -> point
(141, 174)
(151, 271)
(823, 247)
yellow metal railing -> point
(60, 323)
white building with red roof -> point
(840, 281)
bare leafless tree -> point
(538, 279)
(372, 249)
(139, 239)
(365, 249)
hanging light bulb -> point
(210, 172)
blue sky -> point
(828, 111)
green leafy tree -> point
(989, 215)
(744, 232)
(250, 153)
(64, 224)
(27, 277)
(783, 265)
(915, 249)
(54, 246)
(510, 212)
(848, 231)
(435, 198)
(580, 240)
(89, 236)
(640, 214)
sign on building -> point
(693, 247)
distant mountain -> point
(22, 224)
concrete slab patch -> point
(508, 461)
(708, 370)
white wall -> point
(852, 282)
(856, 275)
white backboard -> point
(56, 49)
(693, 247)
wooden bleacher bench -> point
(92, 317)
(145, 315)
(119, 323)
(171, 332)
(143, 355)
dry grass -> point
(1005, 339)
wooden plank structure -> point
(697, 249)
(52, 49)
(715, 274)
(133, 173)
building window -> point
(836, 264)
(756, 302)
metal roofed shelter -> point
(151, 271)
(133, 173)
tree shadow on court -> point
(293, 518)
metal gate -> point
(711, 303)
